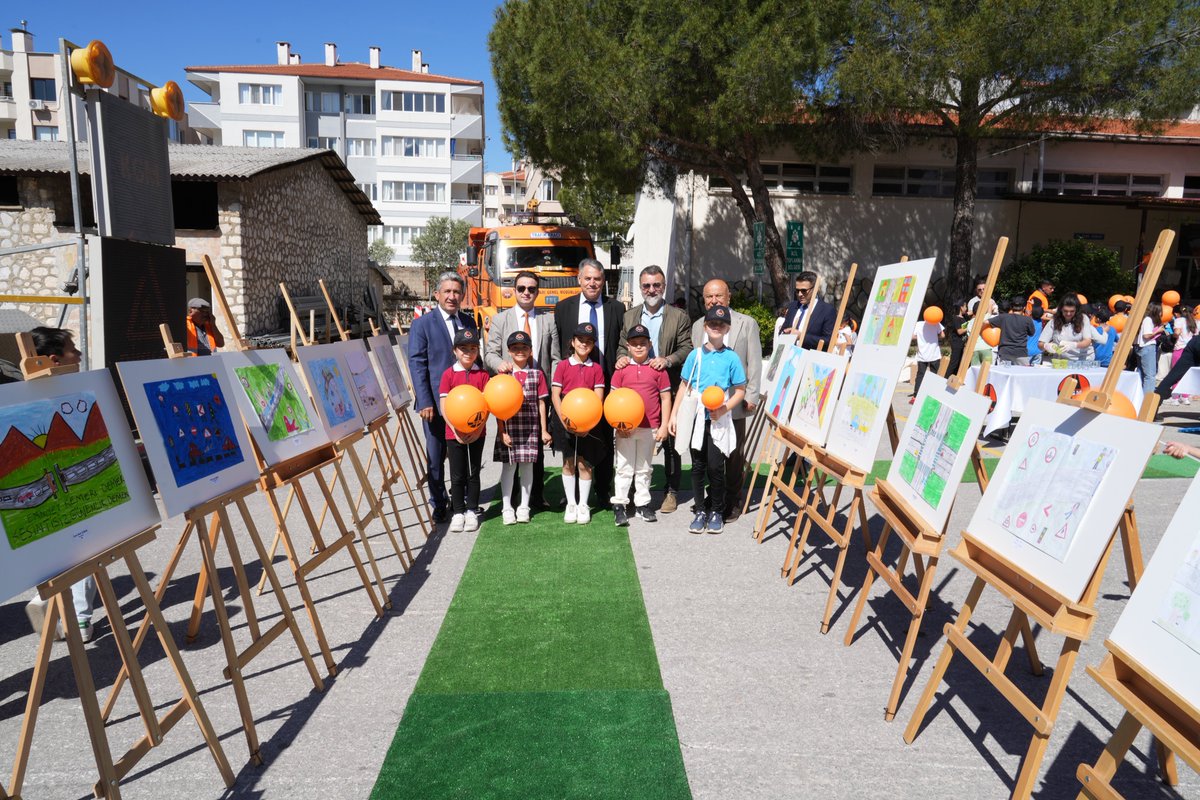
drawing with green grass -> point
(57, 467)
(280, 408)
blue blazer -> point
(820, 323)
(430, 353)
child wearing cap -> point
(464, 451)
(713, 364)
(635, 448)
(521, 437)
(580, 453)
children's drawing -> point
(1045, 495)
(883, 321)
(329, 386)
(362, 374)
(787, 382)
(783, 344)
(195, 424)
(57, 467)
(280, 409)
(927, 463)
(389, 369)
(821, 377)
(1179, 613)
(864, 399)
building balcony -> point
(466, 169)
(468, 210)
(466, 126)
(6, 62)
(205, 117)
(8, 108)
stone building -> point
(262, 215)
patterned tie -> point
(595, 324)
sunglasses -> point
(527, 289)
(652, 285)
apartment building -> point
(506, 192)
(412, 139)
(31, 97)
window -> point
(260, 94)
(321, 102)
(360, 147)
(360, 103)
(6, 91)
(414, 147)
(423, 102)
(788, 176)
(401, 235)
(414, 192)
(508, 189)
(262, 138)
(194, 204)
(369, 189)
(45, 133)
(323, 142)
(1191, 186)
(43, 89)
(9, 195)
(1102, 184)
(935, 182)
(548, 190)
(490, 191)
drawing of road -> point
(267, 414)
(32, 495)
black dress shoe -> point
(440, 515)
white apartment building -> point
(413, 140)
(31, 97)
(506, 192)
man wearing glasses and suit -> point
(807, 305)
(539, 324)
(670, 343)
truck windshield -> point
(514, 258)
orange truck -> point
(494, 256)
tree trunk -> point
(966, 179)
(765, 213)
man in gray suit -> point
(539, 324)
(744, 338)
(670, 343)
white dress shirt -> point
(449, 321)
(534, 321)
(585, 315)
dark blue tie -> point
(595, 324)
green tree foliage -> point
(626, 90)
(380, 252)
(763, 314)
(438, 246)
(601, 208)
(971, 68)
(1073, 266)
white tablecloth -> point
(1189, 383)
(1015, 386)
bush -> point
(1074, 266)
(763, 314)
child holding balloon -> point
(928, 335)
(521, 436)
(580, 451)
(635, 440)
(464, 448)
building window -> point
(889, 181)
(360, 147)
(401, 235)
(423, 102)
(414, 192)
(787, 176)
(548, 190)
(6, 92)
(508, 189)
(360, 103)
(260, 94)
(414, 147)
(262, 138)
(43, 89)
(490, 191)
(323, 142)
(1100, 184)
(1191, 186)
(371, 190)
(321, 102)
(10, 197)
(45, 133)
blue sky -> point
(156, 40)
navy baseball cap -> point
(466, 336)
(519, 337)
(585, 329)
(638, 331)
(718, 314)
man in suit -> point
(430, 353)
(607, 315)
(744, 338)
(670, 343)
(525, 316)
(807, 305)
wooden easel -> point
(1148, 702)
(57, 591)
(406, 431)
(207, 535)
(1032, 598)
(917, 540)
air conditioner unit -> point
(37, 105)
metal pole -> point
(68, 103)
(1041, 162)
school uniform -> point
(574, 374)
(465, 459)
(635, 453)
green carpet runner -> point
(543, 680)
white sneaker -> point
(570, 514)
(509, 516)
(457, 522)
(471, 523)
(1187, 401)
(522, 513)
(583, 515)
(35, 609)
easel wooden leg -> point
(375, 502)
(362, 537)
(766, 447)
(1049, 712)
(843, 549)
(137, 681)
(910, 640)
(770, 495)
(33, 702)
(874, 564)
(1131, 547)
(814, 488)
(1095, 779)
(201, 588)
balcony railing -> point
(456, 156)
(458, 201)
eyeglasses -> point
(652, 285)
(801, 290)
(527, 289)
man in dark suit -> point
(807, 304)
(607, 316)
(670, 343)
(430, 353)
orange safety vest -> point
(192, 342)
(1037, 295)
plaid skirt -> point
(524, 427)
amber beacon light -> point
(167, 101)
(93, 65)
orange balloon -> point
(933, 315)
(1170, 298)
(1112, 302)
(624, 409)
(1082, 299)
(1120, 405)
(991, 336)
(465, 409)
(504, 396)
(1128, 299)
(1118, 322)
(581, 410)
(713, 397)
(1168, 314)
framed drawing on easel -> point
(390, 370)
(329, 381)
(821, 376)
(277, 411)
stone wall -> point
(39, 272)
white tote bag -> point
(688, 402)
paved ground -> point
(765, 705)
